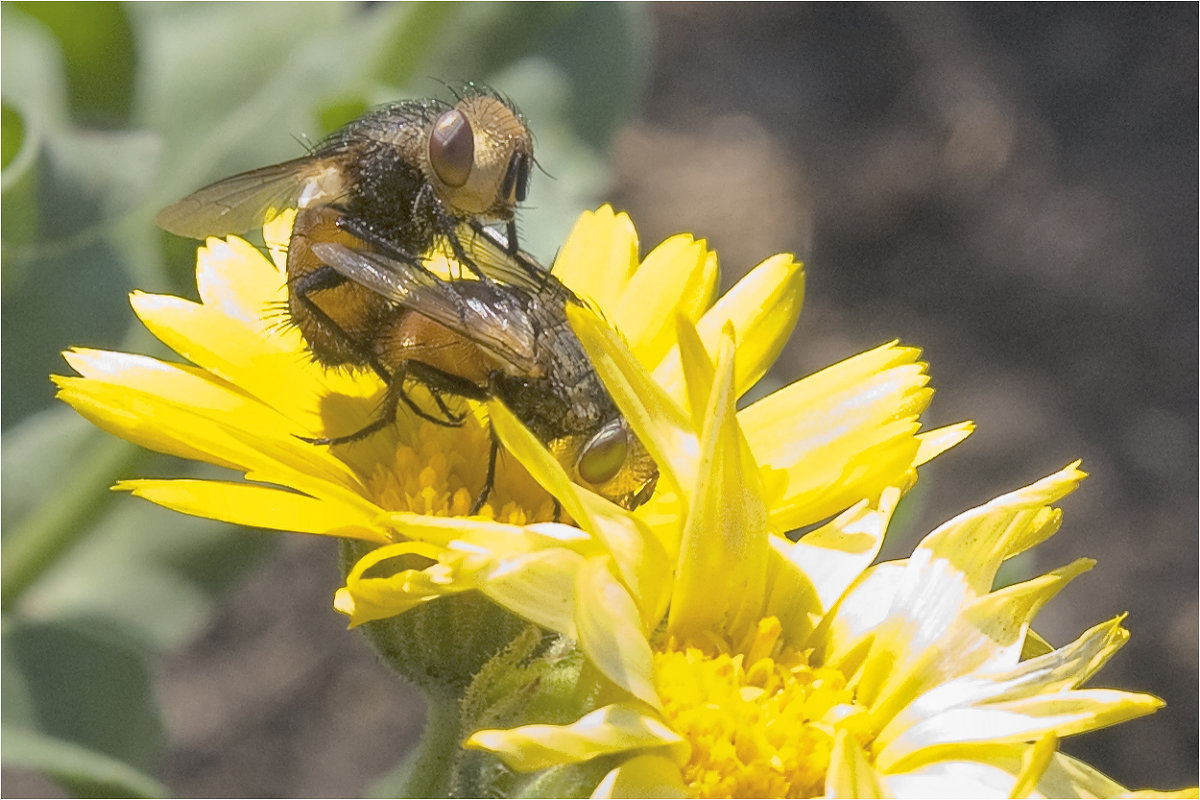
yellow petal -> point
(637, 553)
(838, 552)
(483, 534)
(533, 581)
(850, 772)
(953, 779)
(539, 586)
(855, 437)
(1001, 618)
(531, 570)
(365, 599)
(846, 632)
(792, 598)
(1070, 777)
(677, 277)
(762, 307)
(699, 371)
(182, 411)
(544, 468)
(608, 730)
(646, 775)
(663, 427)
(232, 275)
(277, 234)
(720, 584)
(1034, 763)
(937, 441)
(268, 364)
(1064, 713)
(261, 507)
(977, 541)
(1057, 671)
(609, 631)
(643, 564)
(599, 255)
(948, 633)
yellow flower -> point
(251, 391)
(755, 666)
(825, 442)
(749, 664)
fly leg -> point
(508, 245)
(326, 277)
(490, 481)
(438, 383)
(510, 231)
(386, 416)
(378, 243)
(460, 255)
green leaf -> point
(74, 552)
(18, 187)
(100, 56)
(48, 504)
(29, 51)
(603, 53)
(82, 687)
(410, 32)
(476, 40)
(12, 127)
(228, 86)
(86, 772)
(56, 294)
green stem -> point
(58, 523)
(430, 772)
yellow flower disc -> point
(759, 726)
(439, 471)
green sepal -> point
(442, 645)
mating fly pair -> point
(373, 201)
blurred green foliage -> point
(111, 111)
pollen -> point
(439, 471)
(760, 724)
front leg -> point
(511, 249)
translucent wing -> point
(488, 249)
(242, 202)
(492, 315)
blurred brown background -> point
(1012, 188)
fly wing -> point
(488, 248)
(242, 202)
(493, 316)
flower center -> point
(440, 471)
(760, 725)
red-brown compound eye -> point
(452, 148)
(605, 454)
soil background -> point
(1013, 189)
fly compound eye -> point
(452, 148)
(603, 457)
